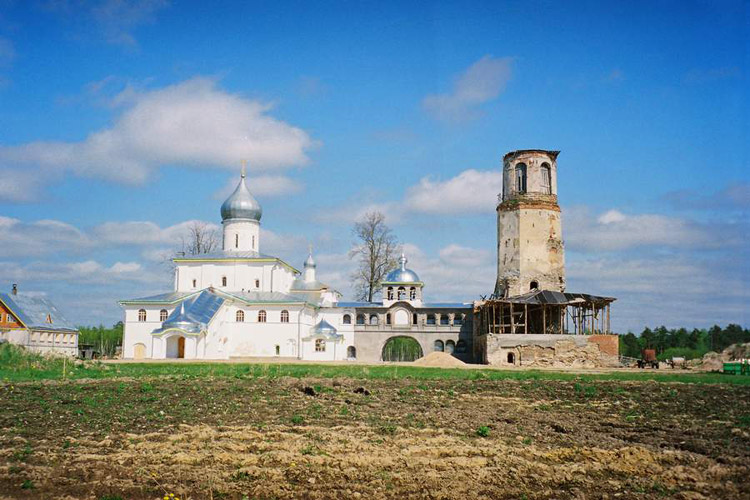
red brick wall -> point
(608, 344)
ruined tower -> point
(529, 236)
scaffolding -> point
(545, 312)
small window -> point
(445, 319)
(412, 293)
(461, 347)
(521, 178)
(236, 241)
(195, 283)
(163, 315)
(320, 345)
(511, 358)
(534, 285)
(430, 319)
(240, 316)
(438, 346)
(141, 315)
(401, 293)
(278, 350)
(253, 242)
(347, 319)
(49, 319)
(414, 319)
(388, 319)
(546, 179)
(389, 294)
(257, 283)
(373, 319)
(223, 281)
(285, 316)
(261, 316)
(360, 319)
(450, 346)
(458, 319)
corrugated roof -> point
(539, 297)
(266, 297)
(32, 311)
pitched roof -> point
(162, 298)
(33, 311)
(194, 314)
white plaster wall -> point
(272, 276)
(241, 235)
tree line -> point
(104, 340)
(679, 342)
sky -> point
(121, 121)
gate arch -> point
(401, 348)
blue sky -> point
(122, 120)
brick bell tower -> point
(530, 253)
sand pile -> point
(439, 360)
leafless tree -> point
(201, 239)
(376, 249)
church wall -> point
(240, 276)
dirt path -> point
(290, 438)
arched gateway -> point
(401, 348)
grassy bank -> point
(18, 365)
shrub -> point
(483, 431)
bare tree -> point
(201, 239)
(375, 250)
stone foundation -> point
(576, 351)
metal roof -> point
(402, 274)
(32, 311)
(547, 297)
(194, 314)
(324, 330)
(162, 298)
(264, 297)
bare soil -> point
(322, 438)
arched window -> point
(351, 352)
(412, 293)
(253, 242)
(389, 295)
(511, 358)
(450, 346)
(347, 319)
(438, 346)
(278, 350)
(320, 345)
(261, 316)
(360, 319)
(445, 319)
(236, 241)
(521, 178)
(240, 316)
(546, 178)
(285, 316)
(257, 283)
(460, 347)
(534, 285)
(163, 315)
(195, 283)
(430, 319)
(401, 293)
(223, 281)
(414, 319)
(373, 319)
(388, 319)
(141, 315)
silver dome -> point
(402, 275)
(241, 204)
(323, 328)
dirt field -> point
(345, 438)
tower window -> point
(347, 319)
(388, 319)
(430, 319)
(534, 285)
(414, 319)
(390, 293)
(223, 281)
(261, 316)
(360, 319)
(236, 241)
(401, 293)
(257, 283)
(253, 242)
(546, 178)
(373, 319)
(521, 178)
(141, 315)
(285, 316)
(195, 283)
(240, 316)
(412, 293)
(163, 315)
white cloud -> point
(192, 123)
(22, 239)
(482, 82)
(262, 186)
(142, 233)
(75, 273)
(471, 191)
(615, 230)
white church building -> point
(239, 302)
